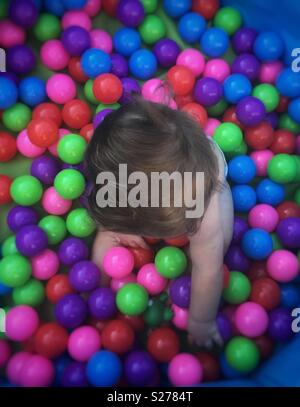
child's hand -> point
(204, 333)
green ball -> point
(32, 293)
(276, 242)
(218, 109)
(16, 117)
(170, 262)
(132, 299)
(297, 160)
(238, 288)
(152, 29)
(268, 94)
(3, 8)
(15, 270)
(69, 183)
(149, 6)
(242, 149)
(71, 148)
(229, 19)
(79, 223)
(113, 106)
(88, 92)
(9, 246)
(282, 168)
(26, 190)
(286, 122)
(297, 196)
(47, 27)
(242, 354)
(228, 136)
(54, 227)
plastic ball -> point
(280, 325)
(265, 292)
(163, 344)
(11, 33)
(8, 93)
(235, 259)
(37, 371)
(16, 117)
(23, 13)
(95, 62)
(242, 354)
(8, 147)
(102, 40)
(206, 8)
(21, 322)
(185, 370)
(152, 29)
(47, 27)
(76, 17)
(257, 244)
(264, 217)
(236, 87)
(210, 366)
(50, 340)
(132, 299)
(229, 19)
(5, 184)
(118, 262)
(268, 94)
(97, 372)
(45, 168)
(42, 132)
(181, 79)
(139, 368)
(192, 59)
(251, 319)
(74, 375)
(5, 352)
(217, 68)
(73, 4)
(228, 136)
(214, 42)
(283, 266)
(75, 40)
(84, 276)
(127, 41)
(61, 88)
(270, 192)
(72, 250)
(71, 148)
(107, 88)
(70, 311)
(288, 231)
(283, 142)
(175, 8)
(180, 291)
(149, 6)
(238, 288)
(282, 168)
(244, 198)
(240, 226)
(260, 136)
(102, 303)
(32, 293)
(79, 223)
(15, 270)
(241, 169)
(69, 184)
(117, 336)
(288, 83)
(170, 262)
(288, 209)
(208, 91)
(45, 265)
(19, 216)
(243, 40)
(191, 26)
(143, 64)
(250, 111)
(75, 70)
(130, 12)
(31, 240)
(57, 287)
(150, 279)
(54, 204)
(54, 56)
(247, 65)
(83, 343)
(26, 190)
(268, 46)
(47, 111)
(166, 51)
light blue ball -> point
(32, 91)
(288, 83)
(127, 41)
(270, 192)
(143, 64)
(191, 26)
(257, 244)
(244, 198)
(8, 93)
(94, 62)
(4, 289)
(236, 87)
(214, 42)
(294, 109)
(104, 369)
(241, 169)
(177, 8)
(268, 46)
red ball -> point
(97, 323)
(183, 100)
(5, 183)
(57, 287)
(151, 240)
(283, 142)
(197, 112)
(42, 132)
(47, 111)
(117, 336)
(210, 366)
(141, 256)
(181, 79)
(266, 292)
(231, 117)
(265, 346)
(258, 269)
(110, 6)
(283, 104)
(107, 88)
(75, 70)
(163, 344)
(135, 321)
(76, 113)
(178, 241)
(51, 340)
(8, 146)
(207, 8)
(260, 136)
(288, 209)
(87, 132)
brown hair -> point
(149, 137)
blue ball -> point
(191, 26)
(269, 192)
(241, 169)
(236, 87)
(143, 64)
(257, 244)
(4, 289)
(55, 7)
(104, 369)
(59, 366)
(177, 8)
(94, 62)
(32, 91)
(214, 42)
(38, 4)
(244, 198)
(8, 93)
(127, 41)
(74, 4)
(290, 295)
(294, 109)
(228, 371)
(268, 46)
(288, 83)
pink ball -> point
(261, 159)
(83, 343)
(118, 262)
(37, 371)
(53, 149)
(149, 278)
(5, 352)
(193, 59)
(269, 71)
(217, 69)
(45, 264)
(283, 266)
(54, 56)
(185, 370)
(251, 319)
(117, 283)
(61, 88)
(26, 147)
(54, 203)
(75, 17)
(15, 365)
(102, 40)
(92, 7)
(21, 323)
(11, 34)
(180, 317)
(211, 126)
(263, 216)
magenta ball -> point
(263, 216)
(37, 371)
(83, 343)
(185, 370)
(5, 352)
(15, 365)
(149, 278)
(21, 323)
(118, 262)
(251, 319)
(45, 264)
(283, 266)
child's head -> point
(149, 138)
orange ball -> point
(107, 88)
(42, 132)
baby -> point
(151, 138)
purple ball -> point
(250, 111)
(20, 216)
(243, 40)
(288, 231)
(10, 75)
(71, 311)
(280, 325)
(20, 59)
(180, 291)
(119, 65)
(272, 119)
(240, 226)
(31, 240)
(102, 303)
(74, 375)
(166, 52)
(140, 368)
(45, 169)
(72, 250)
(84, 276)
(23, 12)
(224, 327)
(76, 40)
(130, 86)
(246, 64)
(235, 259)
(130, 12)
(208, 91)
(100, 116)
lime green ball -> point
(152, 29)
(26, 190)
(286, 122)
(113, 106)
(238, 288)
(71, 148)
(16, 117)
(32, 293)
(170, 262)
(268, 94)
(69, 183)
(3, 8)
(297, 160)
(242, 149)
(297, 196)
(54, 227)
(9, 246)
(228, 136)
(276, 242)
(242, 354)
(79, 223)
(88, 92)
(47, 27)
(229, 19)
(15, 270)
(132, 299)
(218, 109)
(282, 168)
(149, 6)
